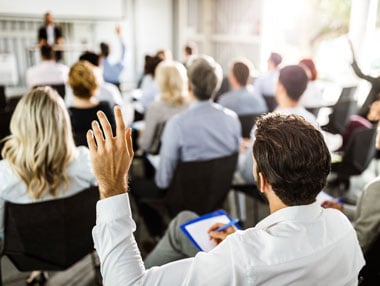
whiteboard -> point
(67, 9)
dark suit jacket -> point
(42, 33)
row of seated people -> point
(199, 120)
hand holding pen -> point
(219, 231)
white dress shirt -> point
(13, 189)
(300, 245)
(47, 72)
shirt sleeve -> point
(121, 262)
(367, 220)
(169, 154)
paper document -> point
(197, 229)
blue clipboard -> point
(200, 218)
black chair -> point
(359, 152)
(340, 115)
(271, 102)
(155, 145)
(3, 99)
(370, 273)
(50, 235)
(5, 119)
(247, 122)
(200, 186)
(60, 88)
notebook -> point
(197, 229)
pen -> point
(231, 223)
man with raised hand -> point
(300, 243)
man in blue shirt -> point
(112, 71)
(241, 99)
(205, 130)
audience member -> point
(241, 99)
(189, 50)
(172, 81)
(50, 34)
(41, 161)
(205, 130)
(265, 85)
(112, 71)
(106, 91)
(311, 99)
(292, 82)
(47, 72)
(374, 92)
(285, 248)
(84, 84)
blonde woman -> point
(84, 83)
(41, 161)
(172, 82)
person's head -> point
(164, 55)
(48, 18)
(83, 79)
(47, 52)
(310, 69)
(104, 49)
(172, 81)
(291, 158)
(292, 82)
(274, 60)
(190, 49)
(205, 77)
(41, 143)
(151, 64)
(240, 73)
(91, 57)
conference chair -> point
(200, 186)
(5, 119)
(60, 88)
(50, 235)
(359, 152)
(155, 145)
(370, 273)
(247, 122)
(271, 102)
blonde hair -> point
(172, 81)
(83, 80)
(41, 143)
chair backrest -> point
(347, 94)
(60, 88)
(5, 119)
(247, 122)
(359, 151)
(155, 145)
(370, 273)
(50, 235)
(340, 116)
(200, 186)
(271, 102)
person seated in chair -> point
(292, 246)
(205, 130)
(41, 161)
(241, 99)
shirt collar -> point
(199, 103)
(295, 213)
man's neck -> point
(286, 102)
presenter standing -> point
(50, 34)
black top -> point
(81, 119)
(42, 33)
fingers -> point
(120, 125)
(215, 226)
(105, 124)
(128, 135)
(91, 141)
(98, 135)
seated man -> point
(202, 132)
(47, 72)
(300, 243)
(241, 99)
(291, 84)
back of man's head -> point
(205, 77)
(293, 157)
(294, 80)
(190, 48)
(104, 49)
(47, 52)
(276, 59)
(241, 70)
(91, 57)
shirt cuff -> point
(113, 208)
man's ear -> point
(263, 182)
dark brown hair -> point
(293, 157)
(294, 80)
(241, 72)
